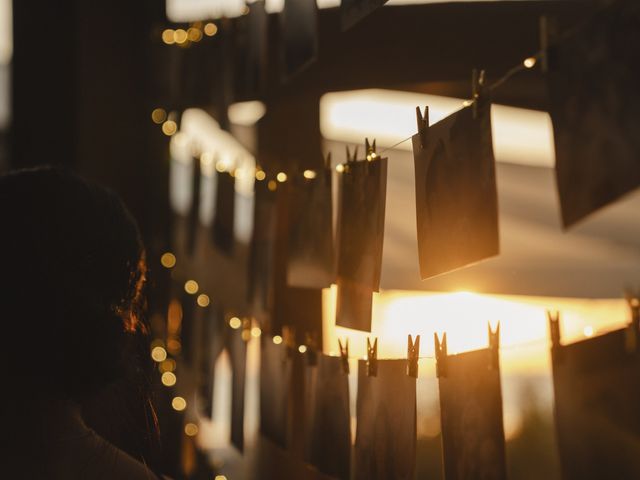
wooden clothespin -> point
(413, 354)
(441, 354)
(554, 331)
(344, 355)
(327, 162)
(478, 90)
(423, 124)
(370, 149)
(494, 346)
(354, 157)
(372, 358)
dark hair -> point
(72, 270)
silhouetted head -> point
(71, 275)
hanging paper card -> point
(301, 310)
(262, 247)
(456, 198)
(300, 34)
(386, 422)
(223, 220)
(361, 209)
(328, 431)
(310, 259)
(471, 416)
(237, 348)
(275, 372)
(213, 340)
(188, 304)
(597, 393)
(593, 82)
(352, 11)
(354, 305)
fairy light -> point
(309, 174)
(168, 260)
(178, 403)
(529, 62)
(302, 348)
(203, 300)
(168, 365)
(168, 379)
(260, 175)
(340, 168)
(158, 354)
(169, 36)
(210, 29)
(194, 34)
(191, 287)
(158, 115)
(191, 429)
(169, 128)
(256, 332)
(281, 177)
(180, 36)
(277, 339)
(272, 185)
(235, 323)
(588, 331)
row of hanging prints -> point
(294, 253)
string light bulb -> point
(168, 260)
(277, 339)
(281, 177)
(309, 174)
(235, 323)
(210, 29)
(529, 62)
(191, 287)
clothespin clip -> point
(494, 346)
(312, 348)
(423, 124)
(370, 149)
(441, 354)
(372, 358)
(478, 90)
(413, 354)
(327, 162)
(344, 355)
(554, 331)
(354, 157)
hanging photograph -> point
(597, 394)
(328, 429)
(456, 196)
(223, 220)
(593, 81)
(361, 210)
(310, 256)
(299, 34)
(386, 422)
(354, 305)
(471, 416)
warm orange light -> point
(168, 260)
(210, 29)
(256, 332)
(277, 339)
(203, 300)
(302, 348)
(174, 346)
(281, 177)
(194, 34)
(191, 287)
(169, 365)
(168, 379)
(260, 175)
(529, 62)
(158, 115)
(272, 185)
(309, 174)
(174, 317)
(235, 323)
(191, 429)
(180, 36)
(179, 403)
(169, 128)
(169, 36)
(158, 354)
